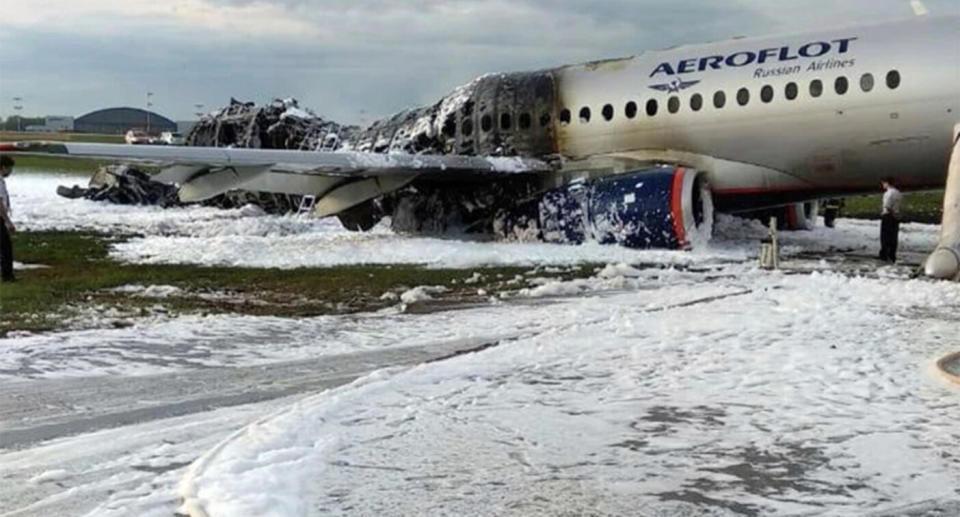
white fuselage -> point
(837, 142)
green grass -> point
(53, 163)
(80, 271)
(58, 163)
(14, 136)
(920, 207)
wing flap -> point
(217, 182)
(357, 192)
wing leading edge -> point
(204, 172)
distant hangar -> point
(117, 121)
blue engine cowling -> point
(661, 207)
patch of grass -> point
(920, 207)
(80, 272)
(54, 163)
(15, 136)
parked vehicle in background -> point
(171, 138)
(136, 136)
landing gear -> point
(360, 218)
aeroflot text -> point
(738, 59)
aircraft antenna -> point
(919, 8)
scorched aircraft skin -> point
(635, 150)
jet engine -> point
(662, 207)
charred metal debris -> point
(281, 124)
(495, 115)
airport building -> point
(53, 124)
(118, 121)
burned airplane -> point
(637, 151)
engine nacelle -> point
(662, 207)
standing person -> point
(6, 223)
(831, 210)
(890, 220)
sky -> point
(350, 60)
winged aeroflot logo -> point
(674, 86)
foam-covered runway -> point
(670, 383)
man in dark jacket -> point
(6, 223)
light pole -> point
(199, 112)
(149, 105)
(17, 106)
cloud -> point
(342, 57)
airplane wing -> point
(339, 180)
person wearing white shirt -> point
(6, 223)
(890, 220)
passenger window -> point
(565, 116)
(673, 104)
(696, 102)
(893, 79)
(467, 127)
(841, 85)
(743, 96)
(524, 121)
(544, 120)
(607, 112)
(630, 110)
(816, 88)
(719, 99)
(766, 93)
(791, 91)
(584, 115)
(506, 121)
(652, 107)
(486, 123)
(866, 82)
